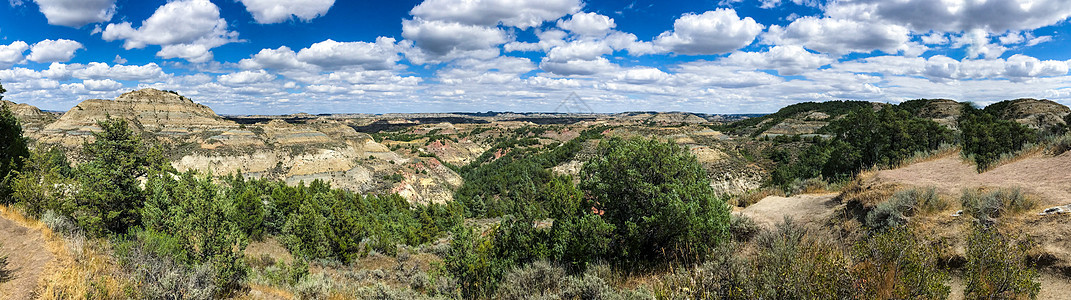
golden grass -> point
(77, 271)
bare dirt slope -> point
(1047, 176)
(27, 257)
(806, 208)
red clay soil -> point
(1046, 176)
(27, 257)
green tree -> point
(250, 213)
(305, 230)
(110, 196)
(13, 150)
(196, 212)
(986, 137)
(44, 182)
(657, 197)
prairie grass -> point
(80, 268)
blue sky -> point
(713, 56)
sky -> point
(710, 56)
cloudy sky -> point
(712, 56)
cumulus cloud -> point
(978, 44)
(713, 32)
(76, 13)
(12, 54)
(588, 24)
(940, 68)
(582, 67)
(370, 56)
(101, 85)
(186, 29)
(787, 60)
(517, 13)
(955, 15)
(841, 36)
(1021, 66)
(246, 78)
(281, 58)
(585, 50)
(60, 50)
(278, 11)
(449, 40)
(98, 70)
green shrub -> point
(538, 280)
(794, 262)
(988, 205)
(197, 216)
(658, 198)
(896, 264)
(743, 228)
(997, 267)
(902, 206)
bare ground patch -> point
(804, 208)
(27, 257)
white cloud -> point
(1021, 66)
(841, 36)
(439, 40)
(955, 15)
(246, 78)
(76, 13)
(584, 50)
(60, 50)
(588, 24)
(12, 54)
(101, 85)
(185, 29)
(643, 76)
(935, 38)
(940, 68)
(97, 70)
(278, 11)
(517, 13)
(581, 67)
(281, 58)
(787, 60)
(713, 32)
(370, 56)
(978, 44)
(57, 71)
(703, 75)
(547, 39)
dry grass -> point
(755, 196)
(81, 269)
(1027, 151)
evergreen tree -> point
(657, 197)
(111, 196)
(13, 150)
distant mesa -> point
(160, 112)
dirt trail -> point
(806, 208)
(1046, 176)
(27, 257)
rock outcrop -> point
(1034, 113)
(32, 118)
(162, 113)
